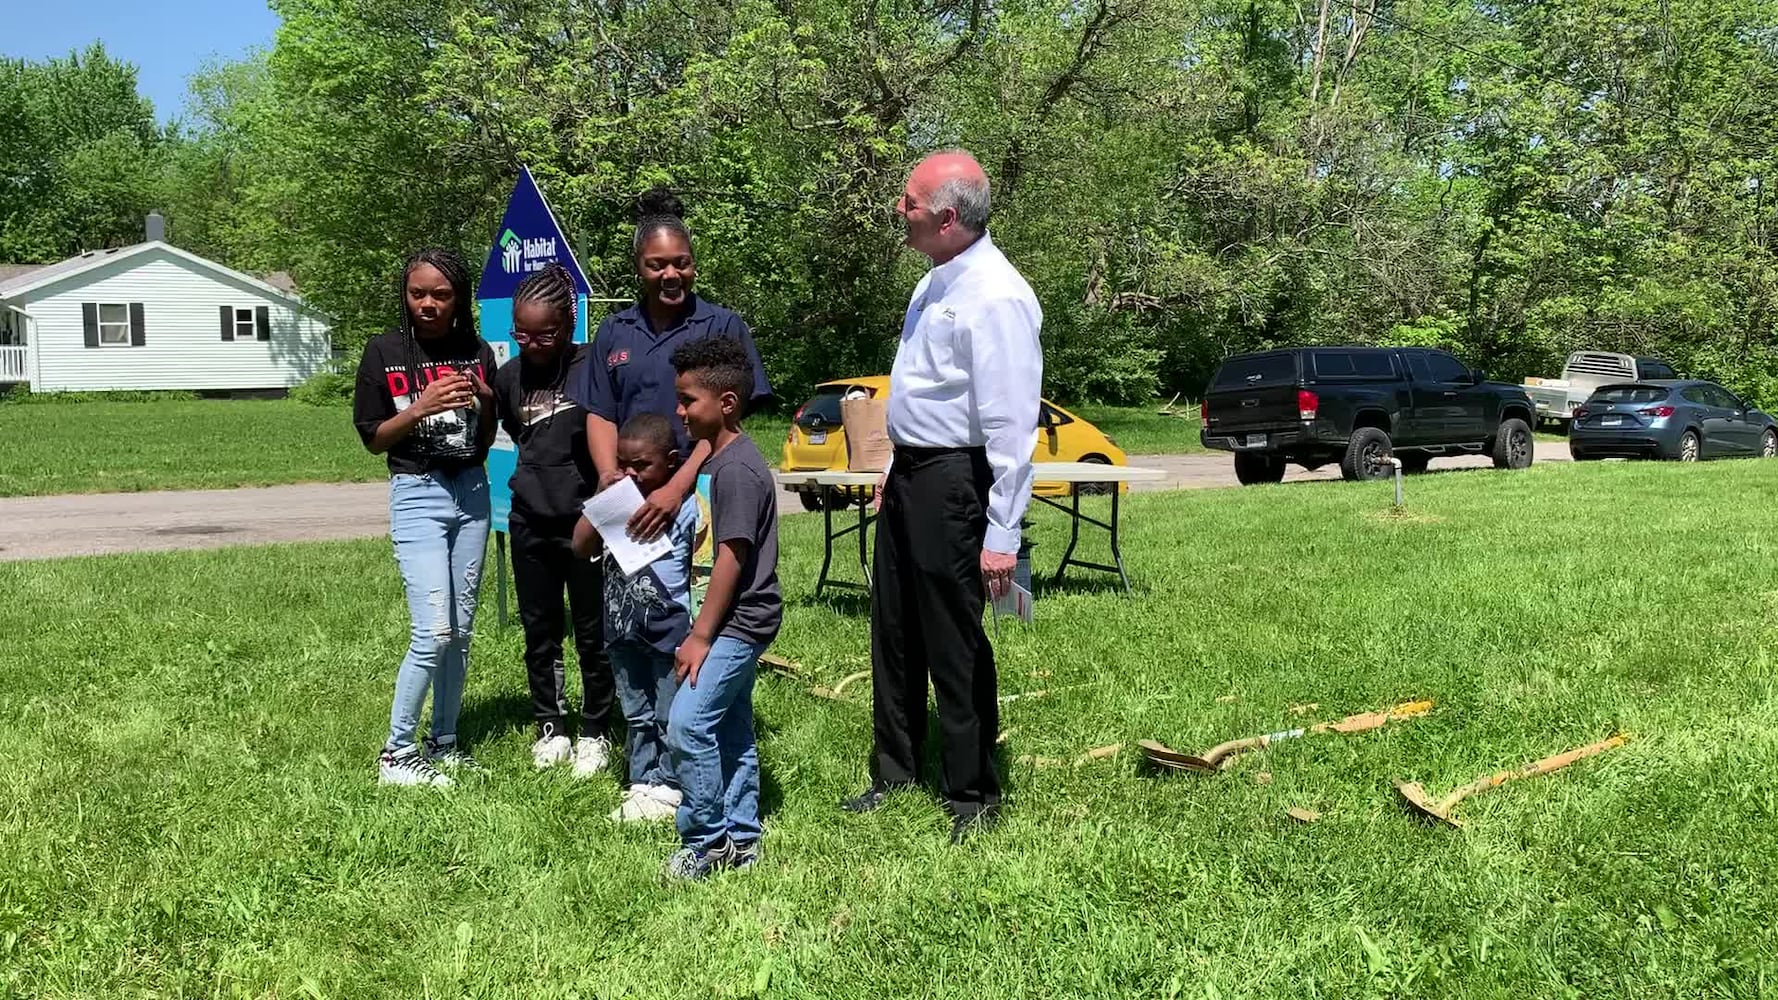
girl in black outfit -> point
(554, 477)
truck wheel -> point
(1255, 467)
(1365, 455)
(1414, 462)
(1513, 445)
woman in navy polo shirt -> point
(630, 369)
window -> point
(1444, 368)
(823, 410)
(1255, 370)
(1719, 396)
(1050, 417)
(1697, 394)
(1631, 394)
(1654, 370)
(252, 323)
(1353, 364)
(114, 325)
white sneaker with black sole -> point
(409, 767)
(592, 754)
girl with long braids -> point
(423, 399)
(554, 477)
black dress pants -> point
(543, 567)
(926, 620)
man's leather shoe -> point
(967, 825)
(871, 799)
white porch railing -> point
(13, 364)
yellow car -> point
(817, 442)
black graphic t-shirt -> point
(555, 473)
(390, 380)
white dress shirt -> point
(968, 373)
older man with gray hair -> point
(963, 403)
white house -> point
(153, 316)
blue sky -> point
(167, 42)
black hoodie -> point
(555, 473)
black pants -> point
(542, 567)
(926, 619)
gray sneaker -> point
(745, 853)
(691, 865)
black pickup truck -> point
(1357, 406)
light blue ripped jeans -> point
(439, 522)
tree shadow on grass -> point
(846, 602)
(1098, 583)
(488, 718)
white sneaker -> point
(648, 804)
(592, 754)
(550, 751)
(410, 768)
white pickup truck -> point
(1556, 398)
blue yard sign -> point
(529, 238)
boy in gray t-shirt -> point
(710, 728)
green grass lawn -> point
(91, 446)
(1143, 430)
(107, 447)
(188, 807)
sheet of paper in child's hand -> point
(609, 511)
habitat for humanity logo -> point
(521, 255)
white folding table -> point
(857, 489)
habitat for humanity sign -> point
(529, 240)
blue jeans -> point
(439, 522)
(645, 686)
(710, 730)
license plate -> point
(1612, 421)
(1254, 441)
(817, 437)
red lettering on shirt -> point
(618, 357)
(398, 381)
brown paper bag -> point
(866, 422)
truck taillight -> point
(1307, 404)
(1657, 411)
(1204, 414)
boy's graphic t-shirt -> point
(391, 377)
(744, 507)
(654, 606)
